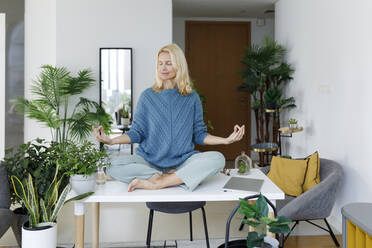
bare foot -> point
(154, 177)
(171, 171)
(141, 184)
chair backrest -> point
(4, 188)
(330, 170)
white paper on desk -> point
(245, 184)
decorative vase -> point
(243, 163)
(83, 184)
(40, 237)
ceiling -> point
(223, 8)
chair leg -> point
(190, 215)
(149, 228)
(242, 224)
(331, 233)
(205, 227)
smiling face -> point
(166, 70)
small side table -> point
(357, 225)
(266, 148)
(286, 132)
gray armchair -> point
(316, 203)
(6, 215)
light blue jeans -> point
(192, 172)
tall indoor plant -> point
(265, 74)
(54, 89)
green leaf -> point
(261, 205)
(44, 212)
(255, 240)
(80, 197)
(60, 202)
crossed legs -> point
(140, 174)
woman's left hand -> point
(236, 135)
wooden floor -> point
(300, 242)
(311, 242)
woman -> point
(167, 122)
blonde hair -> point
(179, 64)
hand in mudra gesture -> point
(236, 135)
(100, 135)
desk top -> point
(209, 190)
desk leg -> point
(95, 218)
(79, 224)
(271, 215)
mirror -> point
(116, 85)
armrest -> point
(316, 203)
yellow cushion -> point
(288, 174)
(312, 175)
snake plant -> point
(43, 211)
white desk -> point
(209, 190)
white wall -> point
(329, 44)
(2, 84)
(40, 49)
(257, 34)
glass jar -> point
(101, 176)
(243, 163)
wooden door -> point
(214, 51)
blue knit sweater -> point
(166, 125)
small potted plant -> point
(41, 227)
(292, 123)
(125, 116)
(80, 162)
(256, 215)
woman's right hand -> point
(100, 135)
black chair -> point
(175, 208)
(242, 242)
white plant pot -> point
(293, 126)
(271, 241)
(39, 238)
(125, 121)
(81, 184)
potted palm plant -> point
(80, 163)
(41, 228)
(54, 89)
(256, 215)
